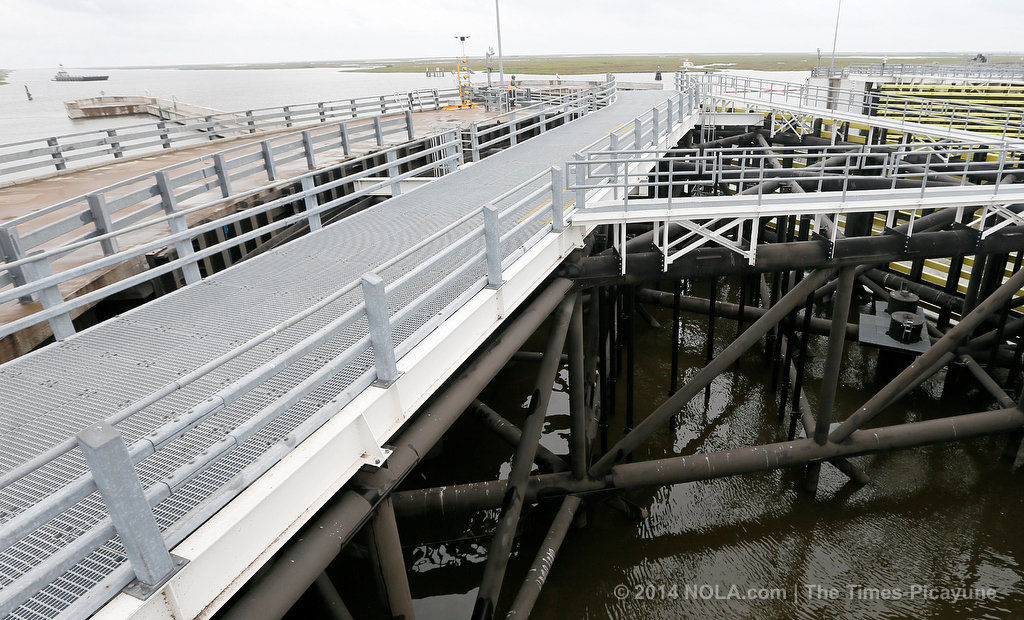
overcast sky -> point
(43, 33)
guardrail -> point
(64, 151)
(933, 112)
(464, 257)
(975, 71)
(713, 192)
(153, 199)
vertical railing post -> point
(165, 138)
(492, 245)
(115, 143)
(581, 180)
(379, 321)
(383, 105)
(638, 134)
(454, 150)
(209, 127)
(655, 125)
(396, 184)
(10, 248)
(613, 146)
(101, 219)
(352, 105)
(412, 102)
(126, 502)
(408, 124)
(287, 116)
(221, 167)
(378, 131)
(474, 141)
(268, 160)
(308, 184)
(56, 154)
(543, 121)
(437, 100)
(250, 121)
(668, 117)
(512, 125)
(346, 142)
(320, 110)
(557, 208)
(49, 297)
(307, 147)
(178, 224)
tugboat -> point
(64, 76)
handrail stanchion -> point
(49, 297)
(557, 208)
(178, 225)
(126, 503)
(379, 321)
(308, 184)
(268, 160)
(492, 244)
(102, 221)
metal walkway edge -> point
(52, 394)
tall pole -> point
(501, 66)
(835, 36)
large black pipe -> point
(695, 467)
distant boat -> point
(64, 76)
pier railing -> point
(717, 90)
(992, 72)
(158, 194)
(377, 324)
(713, 192)
(89, 147)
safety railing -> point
(461, 259)
(719, 90)
(505, 129)
(83, 148)
(159, 192)
(973, 71)
(714, 191)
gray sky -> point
(43, 33)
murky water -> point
(944, 516)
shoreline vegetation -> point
(584, 64)
(3, 76)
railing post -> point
(251, 121)
(581, 180)
(656, 125)
(323, 113)
(49, 297)
(268, 160)
(101, 219)
(474, 141)
(437, 100)
(308, 184)
(542, 125)
(287, 116)
(56, 154)
(165, 139)
(412, 103)
(352, 104)
(557, 209)
(10, 248)
(307, 146)
(383, 105)
(408, 124)
(183, 247)
(220, 166)
(638, 133)
(115, 144)
(613, 146)
(346, 143)
(209, 128)
(378, 131)
(126, 503)
(396, 185)
(454, 151)
(492, 244)
(379, 321)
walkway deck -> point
(52, 394)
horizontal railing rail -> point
(460, 264)
(68, 150)
(975, 71)
(716, 88)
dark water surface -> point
(945, 516)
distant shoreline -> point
(3, 76)
(589, 64)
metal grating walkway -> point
(51, 394)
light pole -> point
(501, 66)
(835, 36)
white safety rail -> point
(977, 71)
(911, 115)
(717, 193)
(399, 325)
(152, 201)
(88, 147)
